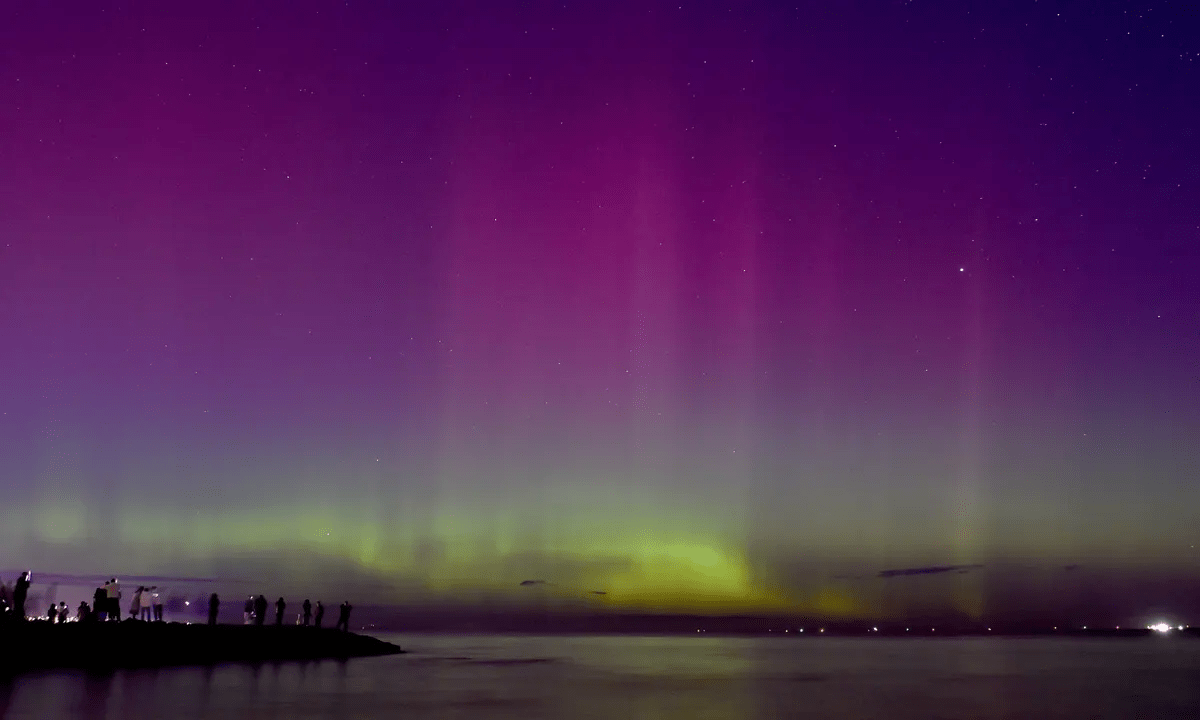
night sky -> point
(707, 306)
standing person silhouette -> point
(136, 606)
(113, 588)
(99, 600)
(20, 591)
(307, 606)
(248, 610)
(344, 616)
(280, 605)
(320, 614)
(214, 604)
(260, 610)
(148, 604)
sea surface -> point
(640, 678)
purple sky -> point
(703, 305)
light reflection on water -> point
(636, 678)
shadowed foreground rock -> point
(98, 646)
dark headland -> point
(131, 644)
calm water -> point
(636, 678)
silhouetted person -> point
(84, 613)
(52, 614)
(148, 604)
(260, 610)
(214, 604)
(63, 613)
(99, 600)
(344, 616)
(280, 605)
(20, 590)
(136, 606)
(307, 606)
(113, 588)
(320, 614)
(248, 610)
(157, 599)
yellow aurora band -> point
(596, 560)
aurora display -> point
(864, 311)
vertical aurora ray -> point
(970, 518)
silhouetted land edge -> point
(132, 644)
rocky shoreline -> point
(31, 646)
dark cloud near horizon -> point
(931, 570)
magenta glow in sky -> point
(687, 303)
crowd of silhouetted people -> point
(147, 606)
(254, 612)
